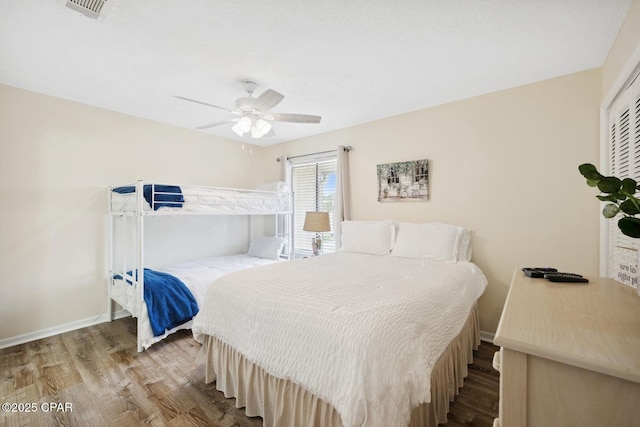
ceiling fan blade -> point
(269, 134)
(295, 118)
(203, 103)
(210, 125)
(269, 99)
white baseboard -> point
(487, 336)
(49, 332)
(60, 329)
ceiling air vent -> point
(90, 8)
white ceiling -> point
(349, 61)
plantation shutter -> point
(313, 181)
(624, 162)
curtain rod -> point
(347, 148)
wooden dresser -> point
(570, 354)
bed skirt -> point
(282, 403)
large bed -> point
(378, 334)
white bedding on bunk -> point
(213, 200)
(360, 331)
(197, 275)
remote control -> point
(538, 272)
(566, 277)
(561, 273)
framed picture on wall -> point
(403, 181)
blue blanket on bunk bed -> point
(169, 302)
(165, 195)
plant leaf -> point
(593, 182)
(610, 210)
(629, 185)
(629, 207)
(609, 198)
(609, 184)
(586, 168)
(630, 226)
(590, 172)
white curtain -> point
(285, 222)
(342, 201)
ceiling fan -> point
(253, 113)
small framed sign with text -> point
(626, 266)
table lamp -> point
(317, 222)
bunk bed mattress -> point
(197, 275)
(213, 200)
(360, 332)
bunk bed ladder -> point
(139, 259)
(110, 260)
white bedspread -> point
(360, 331)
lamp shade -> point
(316, 221)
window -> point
(314, 186)
(623, 148)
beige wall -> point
(56, 160)
(503, 164)
(625, 49)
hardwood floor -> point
(94, 377)
(477, 403)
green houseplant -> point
(620, 195)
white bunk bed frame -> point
(133, 216)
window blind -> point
(314, 186)
(624, 162)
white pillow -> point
(433, 240)
(274, 186)
(464, 247)
(368, 237)
(266, 247)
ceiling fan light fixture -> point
(255, 132)
(260, 128)
(237, 130)
(263, 125)
(242, 126)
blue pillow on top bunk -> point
(124, 190)
(169, 196)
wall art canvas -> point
(403, 181)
